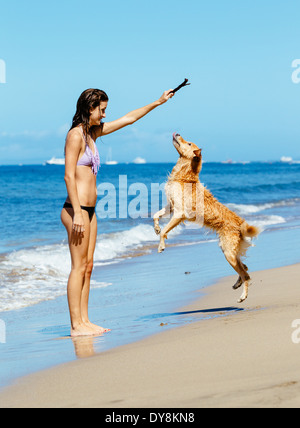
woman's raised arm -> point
(133, 116)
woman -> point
(78, 214)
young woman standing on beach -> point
(78, 214)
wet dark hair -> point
(88, 100)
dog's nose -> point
(175, 135)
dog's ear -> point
(197, 153)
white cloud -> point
(36, 135)
(26, 133)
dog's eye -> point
(189, 144)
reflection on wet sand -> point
(84, 345)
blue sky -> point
(242, 103)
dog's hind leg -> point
(240, 281)
(245, 266)
(163, 235)
(243, 276)
(245, 280)
(244, 293)
(230, 245)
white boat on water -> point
(289, 160)
(229, 161)
(55, 161)
(286, 159)
(109, 160)
(112, 162)
(139, 160)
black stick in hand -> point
(185, 83)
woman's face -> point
(98, 113)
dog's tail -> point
(250, 231)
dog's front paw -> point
(157, 229)
(161, 247)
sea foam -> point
(246, 209)
(33, 275)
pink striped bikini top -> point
(89, 158)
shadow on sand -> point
(212, 311)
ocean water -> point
(34, 257)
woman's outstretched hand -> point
(166, 96)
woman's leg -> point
(79, 257)
(89, 269)
(87, 278)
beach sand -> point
(244, 358)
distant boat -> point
(109, 160)
(231, 162)
(112, 162)
(55, 161)
(139, 160)
(286, 159)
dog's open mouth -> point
(175, 139)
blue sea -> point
(134, 289)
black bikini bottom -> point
(90, 210)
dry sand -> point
(237, 359)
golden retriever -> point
(189, 200)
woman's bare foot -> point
(83, 330)
(97, 328)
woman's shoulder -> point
(74, 136)
(76, 131)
